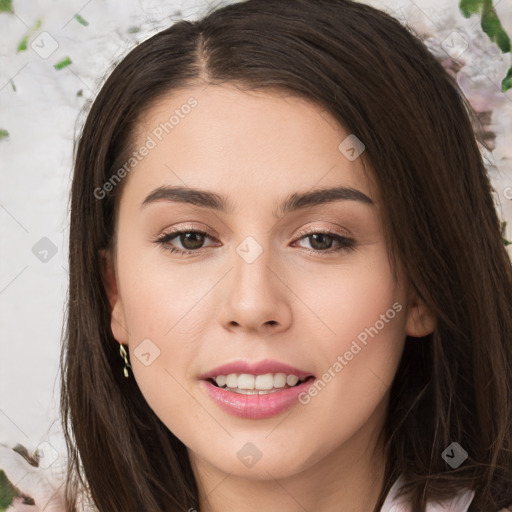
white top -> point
(459, 503)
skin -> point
(303, 309)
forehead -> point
(263, 143)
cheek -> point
(161, 298)
(355, 302)
(363, 333)
(168, 308)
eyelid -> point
(183, 228)
(325, 230)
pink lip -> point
(256, 368)
(255, 406)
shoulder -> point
(459, 503)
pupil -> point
(189, 237)
(320, 236)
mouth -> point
(248, 384)
(256, 390)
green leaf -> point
(7, 491)
(6, 6)
(503, 233)
(506, 83)
(66, 61)
(3, 133)
(23, 45)
(491, 25)
(80, 20)
(469, 7)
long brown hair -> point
(382, 84)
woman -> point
(288, 286)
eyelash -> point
(346, 244)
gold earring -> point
(124, 355)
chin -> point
(263, 460)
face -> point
(278, 282)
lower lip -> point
(256, 406)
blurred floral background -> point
(54, 56)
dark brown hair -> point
(382, 84)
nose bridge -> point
(256, 296)
(252, 268)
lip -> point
(256, 406)
(255, 368)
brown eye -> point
(322, 242)
(191, 241)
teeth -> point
(252, 384)
(280, 380)
(245, 381)
(231, 380)
(291, 380)
(264, 382)
(221, 380)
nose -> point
(256, 296)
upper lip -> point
(255, 368)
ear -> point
(420, 319)
(117, 318)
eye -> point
(190, 244)
(191, 241)
(322, 241)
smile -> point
(248, 384)
(255, 390)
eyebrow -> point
(294, 202)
